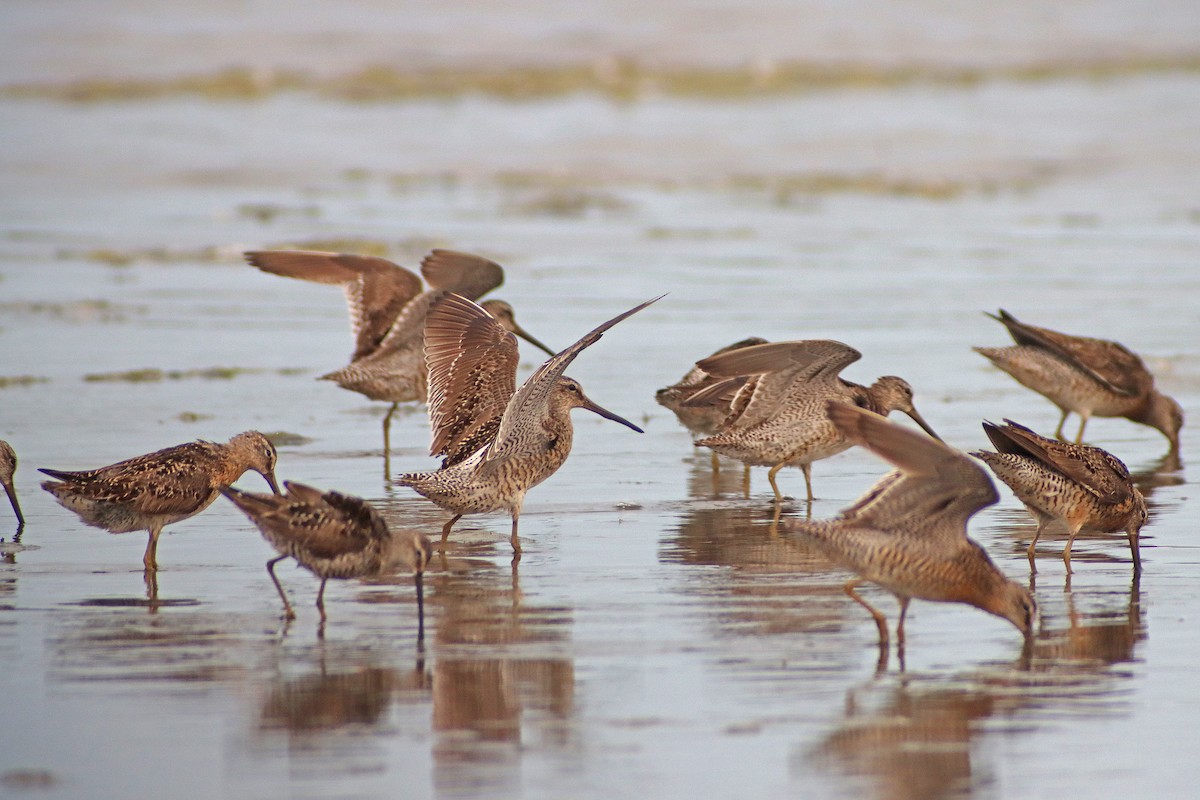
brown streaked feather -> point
(464, 274)
(312, 523)
(1096, 471)
(472, 363)
(809, 357)
(718, 394)
(778, 366)
(530, 405)
(938, 488)
(1109, 363)
(174, 480)
(377, 290)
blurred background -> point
(874, 172)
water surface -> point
(656, 640)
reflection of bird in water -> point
(8, 465)
(149, 492)
(1106, 637)
(1090, 377)
(1083, 486)
(777, 416)
(498, 442)
(333, 535)
(387, 313)
(703, 419)
(917, 744)
(908, 532)
(323, 702)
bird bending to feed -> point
(333, 535)
(1090, 377)
(703, 419)
(777, 417)
(1083, 486)
(908, 533)
(147, 493)
(497, 441)
(387, 313)
(8, 465)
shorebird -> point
(387, 313)
(498, 442)
(8, 465)
(777, 417)
(149, 492)
(706, 418)
(1083, 486)
(333, 535)
(908, 532)
(1090, 377)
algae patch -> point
(154, 375)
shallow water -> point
(657, 640)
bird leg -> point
(288, 613)
(807, 470)
(771, 477)
(1058, 432)
(716, 464)
(1032, 545)
(446, 530)
(1067, 549)
(880, 620)
(321, 599)
(900, 625)
(746, 480)
(150, 558)
(387, 428)
(1083, 421)
(516, 540)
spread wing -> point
(780, 366)
(530, 405)
(377, 290)
(936, 489)
(464, 274)
(1109, 363)
(1099, 472)
(472, 363)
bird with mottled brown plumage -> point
(497, 442)
(387, 313)
(908, 532)
(8, 465)
(1085, 376)
(149, 492)
(333, 535)
(777, 416)
(702, 419)
(1085, 487)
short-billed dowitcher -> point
(1085, 487)
(908, 532)
(8, 465)
(777, 417)
(1090, 377)
(703, 419)
(498, 442)
(387, 313)
(149, 492)
(332, 535)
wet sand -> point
(657, 640)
